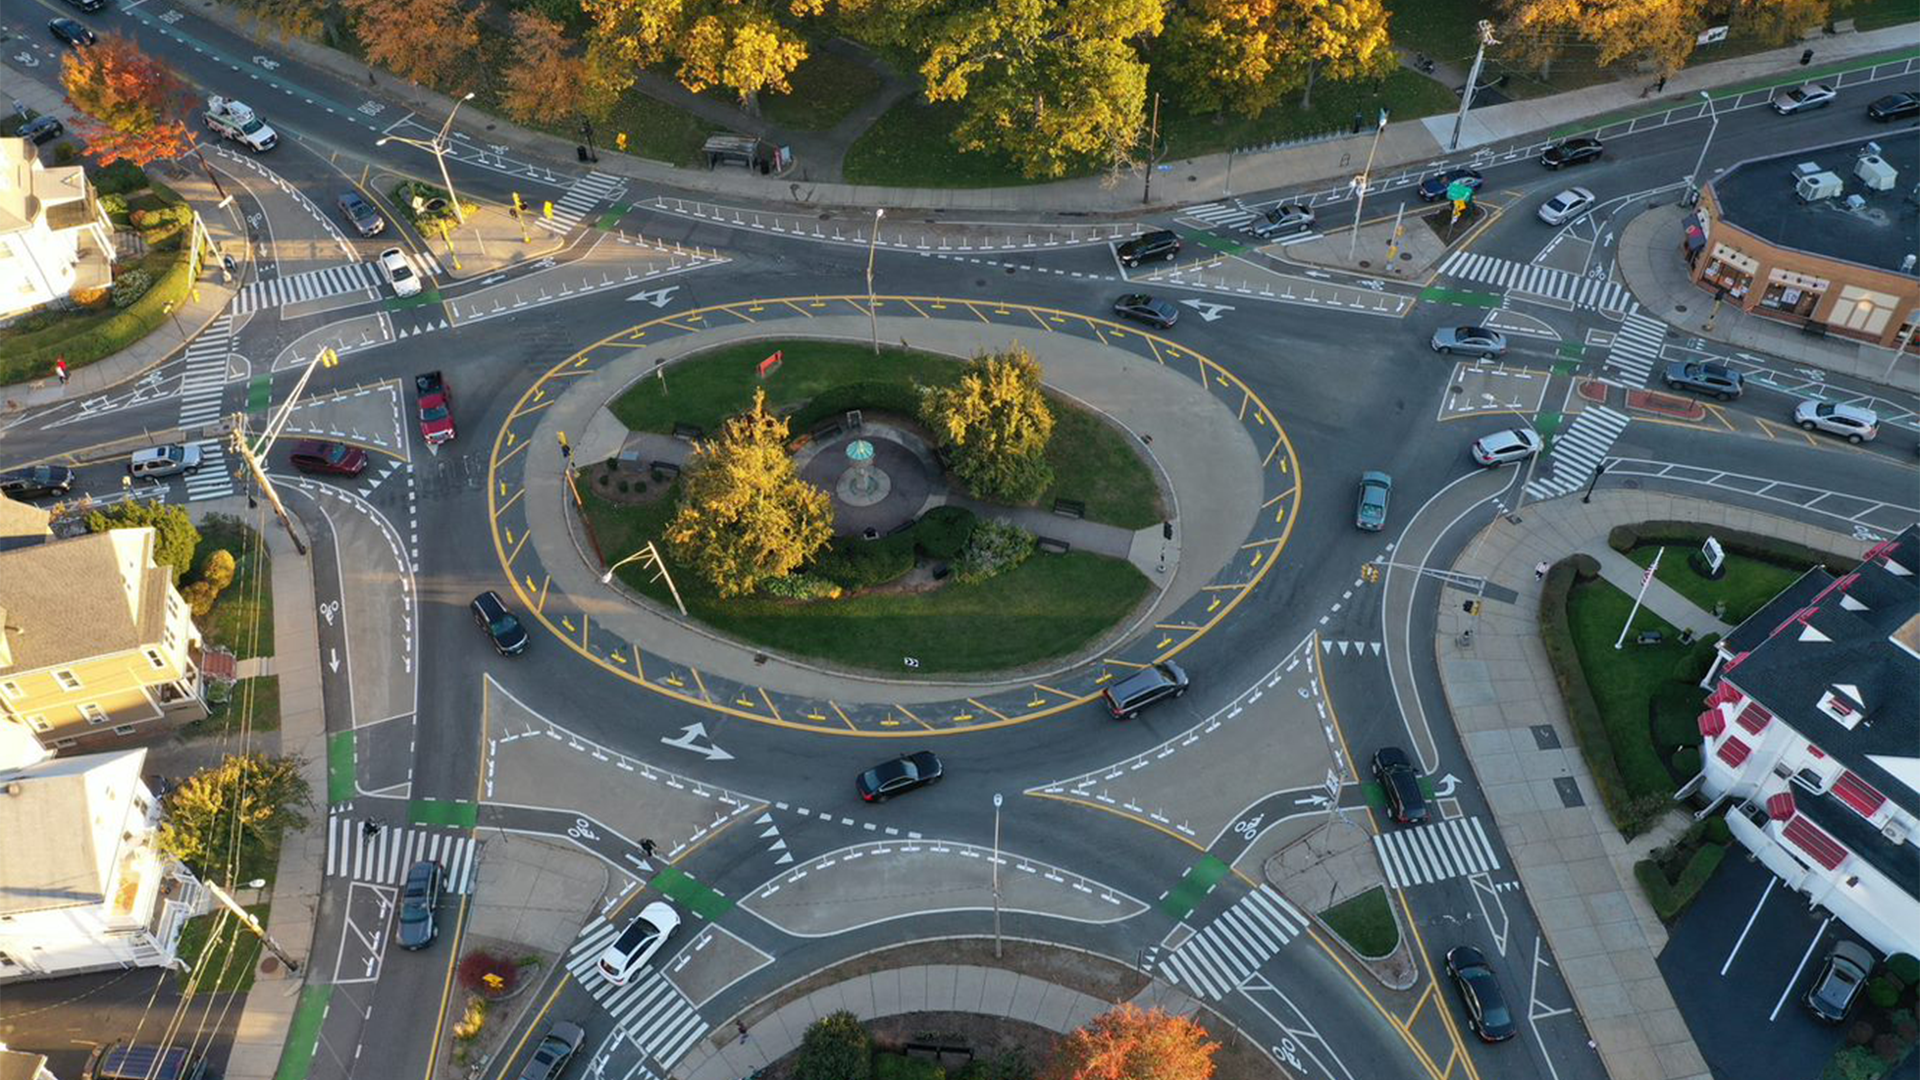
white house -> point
(1812, 734)
(83, 886)
(21, 1065)
(54, 237)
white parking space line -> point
(1787, 990)
(1771, 882)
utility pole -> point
(996, 875)
(251, 453)
(253, 924)
(873, 313)
(1693, 178)
(1473, 81)
(1899, 350)
(1153, 152)
(437, 146)
(1366, 177)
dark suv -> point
(418, 899)
(1401, 781)
(1127, 697)
(1159, 244)
(36, 481)
(550, 1058)
(508, 636)
(1717, 379)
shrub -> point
(473, 1020)
(1693, 667)
(901, 1067)
(218, 569)
(1905, 967)
(1585, 567)
(1715, 830)
(830, 404)
(801, 587)
(476, 966)
(943, 531)
(199, 596)
(1686, 761)
(1735, 541)
(118, 178)
(996, 546)
(835, 1047)
(89, 297)
(1670, 898)
(854, 563)
(1859, 1033)
(35, 322)
(115, 207)
(1904, 1024)
(1889, 1048)
(1883, 992)
(1007, 1063)
(131, 286)
(64, 153)
(1856, 1063)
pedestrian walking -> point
(60, 369)
(370, 829)
(1539, 570)
(647, 846)
(1661, 86)
(741, 1027)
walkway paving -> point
(1653, 269)
(1576, 868)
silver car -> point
(1802, 98)
(1566, 206)
(1281, 221)
(1851, 422)
(1514, 444)
(1469, 341)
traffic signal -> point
(519, 207)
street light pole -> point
(253, 924)
(1913, 322)
(251, 453)
(996, 875)
(1366, 177)
(650, 555)
(873, 315)
(1693, 178)
(438, 148)
(1598, 471)
(1473, 82)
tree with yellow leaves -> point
(1662, 33)
(1245, 54)
(1127, 1043)
(225, 821)
(996, 423)
(745, 515)
(543, 80)
(747, 46)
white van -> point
(159, 461)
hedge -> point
(139, 319)
(855, 563)
(1625, 538)
(873, 396)
(1670, 898)
(1686, 761)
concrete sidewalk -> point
(1576, 868)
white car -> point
(1514, 444)
(400, 275)
(1566, 206)
(638, 942)
(1802, 98)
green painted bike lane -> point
(303, 1034)
(698, 898)
(1195, 884)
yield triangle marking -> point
(772, 830)
(763, 819)
(778, 845)
(783, 860)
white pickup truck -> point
(235, 120)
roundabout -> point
(1226, 472)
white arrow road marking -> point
(689, 739)
(657, 297)
(1443, 788)
(333, 660)
(1208, 310)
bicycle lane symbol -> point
(582, 830)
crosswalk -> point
(1636, 348)
(385, 857)
(1222, 215)
(1577, 450)
(1455, 847)
(652, 1011)
(213, 480)
(1222, 956)
(580, 199)
(312, 285)
(1576, 289)
(205, 381)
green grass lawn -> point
(235, 954)
(255, 700)
(1406, 95)
(1624, 681)
(1365, 922)
(1746, 588)
(242, 619)
(826, 87)
(1443, 29)
(911, 145)
(1093, 462)
(1050, 606)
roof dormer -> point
(1841, 704)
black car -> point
(1571, 152)
(1894, 107)
(1717, 379)
(42, 129)
(1833, 990)
(1156, 682)
(36, 482)
(418, 899)
(1147, 309)
(70, 33)
(904, 773)
(1401, 782)
(557, 1048)
(509, 637)
(1159, 244)
(1486, 1006)
(87, 5)
(361, 215)
(1434, 188)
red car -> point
(320, 456)
(430, 391)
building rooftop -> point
(1758, 195)
(1831, 662)
(88, 596)
(60, 823)
(1900, 862)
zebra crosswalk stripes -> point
(1446, 849)
(312, 285)
(213, 480)
(579, 200)
(650, 1009)
(205, 381)
(1576, 289)
(1233, 946)
(1577, 450)
(1222, 215)
(384, 857)
(1636, 348)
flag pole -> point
(1645, 580)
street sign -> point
(1459, 192)
(1715, 556)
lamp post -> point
(250, 453)
(1366, 177)
(1693, 179)
(1899, 350)
(1485, 30)
(437, 146)
(873, 315)
(996, 875)
(1598, 471)
(651, 556)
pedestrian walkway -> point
(384, 856)
(1635, 352)
(1223, 955)
(204, 383)
(1577, 451)
(312, 285)
(580, 200)
(1580, 290)
(1223, 215)
(649, 1010)
(213, 480)
(1441, 851)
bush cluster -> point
(115, 207)
(215, 575)
(130, 286)
(801, 587)
(832, 403)
(118, 178)
(996, 546)
(22, 361)
(853, 563)
(1670, 898)
(1768, 549)
(943, 531)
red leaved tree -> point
(1125, 1043)
(133, 104)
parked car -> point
(1469, 340)
(556, 1048)
(419, 898)
(1839, 981)
(503, 629)
(1571, 152)
(1159, 244)
(328, 458)
(1708, 378)
(87, 5)
(1434, 188)
(36, 482)
(638, 942)
(1854, 423)
(901, 775)
(1147, 309)
(435, 402)
(399, 272)
(1803, 98)
(42, 130)
(1282, 220)
(1150, 684)
(123, 1061)
(1401, 783)
(157, 462)
(70, 33)
(1374, 489)
(1566, 206)
(1514, 444)
(361, 215)
(1894, 107)
(1480, 992)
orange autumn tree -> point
(1126, 1043)
(431, 42)
(132, 102)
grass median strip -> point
(1365, 922)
